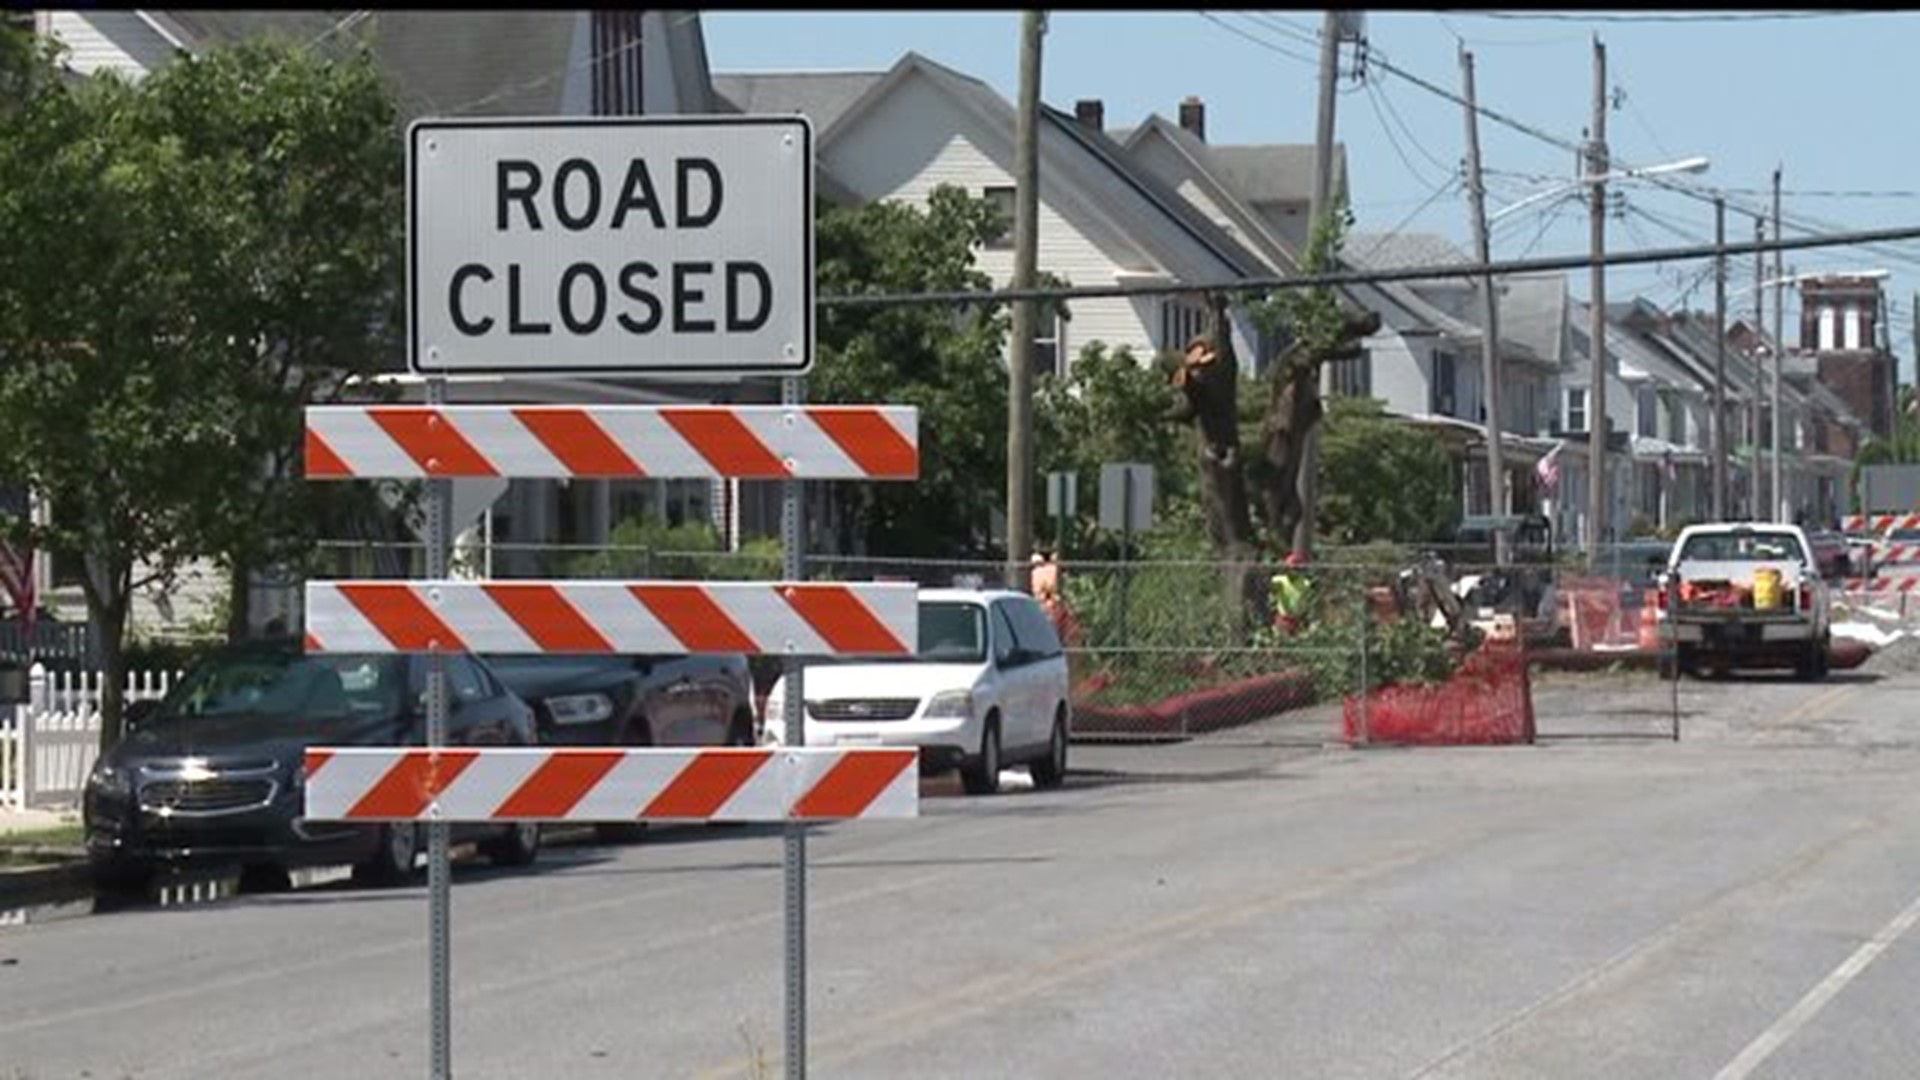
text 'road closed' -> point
(605, 246)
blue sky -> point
(1824, 98)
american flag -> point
(16, 560)
(1549, 468)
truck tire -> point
(1814, 665)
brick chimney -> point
(1091, 112)
(1193, 117)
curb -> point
(68, 879)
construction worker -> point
(1289, 591)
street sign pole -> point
(793, 549)
(439, 864)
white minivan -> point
(987, 689)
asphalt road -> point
(1608, 903)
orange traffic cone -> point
(1649, 624)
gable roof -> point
(1533, 314)
(821, 96)
(500, 62)
(1279, 173)
(1101, 152)
(1196, 224)
(484, 63)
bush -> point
(640, 548)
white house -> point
(900, 133)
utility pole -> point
(1026, 256)
(1720, 359)
(1757, 505)
(1780, 494)
(1597, 325)
(1321, 206)
(1497, 501)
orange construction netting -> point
(1488, 701)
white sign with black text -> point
(611, 245)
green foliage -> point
(1310, 316)
(187, 261)
(647, 548)
(945, 362)
(1112, 408)
(1382, 480)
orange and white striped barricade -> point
(743, 442)
(588, 784)
(641, 617)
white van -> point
(987, 689)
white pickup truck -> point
(1722, 606)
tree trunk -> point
(1213, 404)
(108, 600)
(1292, 411)
(239, 601)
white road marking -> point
(1809, 1006)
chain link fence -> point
(1157, 650)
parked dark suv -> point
(623, 700)
(213, 773)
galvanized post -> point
(792, 543)
(439, 866)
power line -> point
(1313, 62)
(1447, 188)
(1387, 101)
(1764, 16)
(1343, 278)
(1373, 98)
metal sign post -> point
(793, 549)
(439, 507)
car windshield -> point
(953, 632)
(1744, 546)
(293, 686)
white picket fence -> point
(47, 746)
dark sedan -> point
(213, 773)
(616, 700)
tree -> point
(1383, 480)
(946, 362)
(1322, 331)
(1110, 407)
(309, 150)
(172, 289)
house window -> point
(1001, 200)
(1851, 326)
(1646, 407)
(1354, 378)
(1050, 344)
(1440, 396)
(1576, 409)
(1179, 322)
(1826, 329)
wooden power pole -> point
(1321, 206)
(1756, 500)
(1497, 501)
(1783, 504)
(1597, 325)
(1026, 257)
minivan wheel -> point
(982, 777)
(1051, 770)
(518, 846)
(392, 861)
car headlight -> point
(109, 779)
(950, 705)
(580, 708)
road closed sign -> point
(606, 246)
